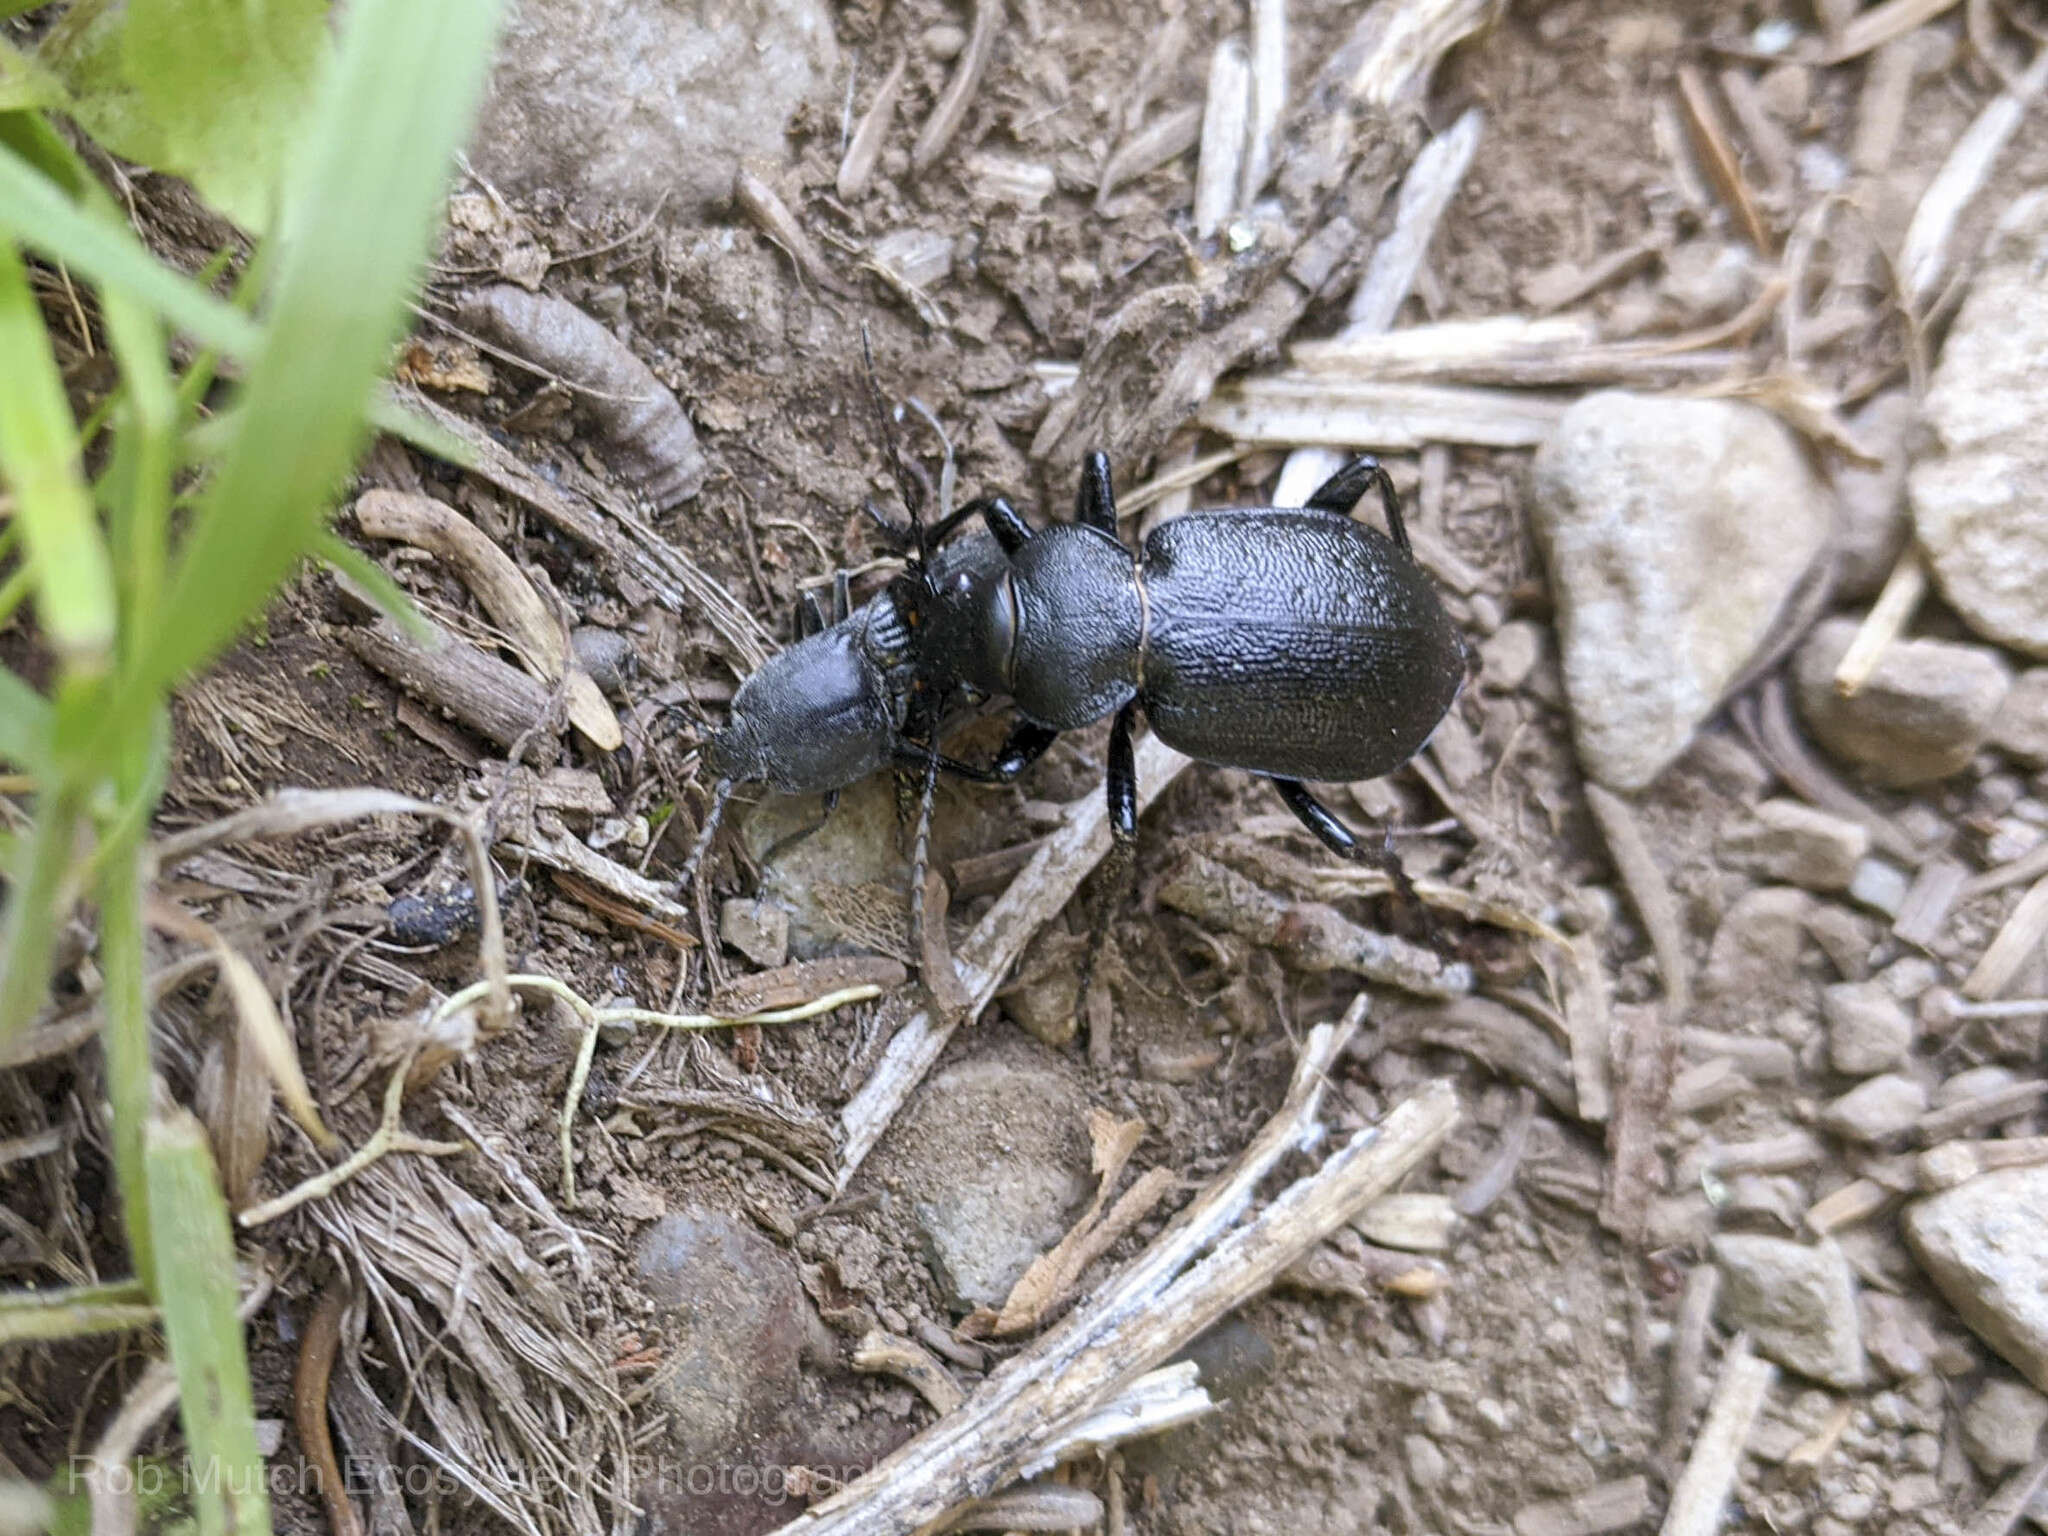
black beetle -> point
(1292, 642)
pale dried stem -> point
(1426, 191)
(1886, 621)
(1702, 1490)
(1924, 253)
(1224, 113)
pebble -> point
(1673, 530)
(994, 1162)
(2020, 728)
(1881, 886)
(1974, 504)
(1897, 1336)
(2002, 1426)
(619, 104)
(1869, 1030)
(1985, 1246)
(1872, 532)
(1509, 655)
(757, 929)
(1792, 842)
(735, 1325)
(1427, 1467)
(1973, 1083)
(605, 654)
(1925, 710)
(1877, 1110)
(1797, 1301)
(1757, 944)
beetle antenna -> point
(915, 496)
(920, 848)
(720, 794)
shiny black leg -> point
(1003, 520)
(1345, 843)
(1341, 491)
(1095, 502)
(1120, 865)
(1025, 745)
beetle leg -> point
(1120, 865)
(1003, 520)
(1095, 502)
(1341, 491)
(842, 596)
(1025, 746)
(1345, 843)
(810, 615)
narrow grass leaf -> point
(74, 1311)
(35, 875)
(39, 459)
(363, 210)
(376, 584)
(197, 1289)
(24, 726)
(36, 212)
(124, 1038)
(145, 456)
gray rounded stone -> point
(1985, 1246)
(1798, 1302)
(1980, 497)
(736, 1316)
(992, 1161)
(628, 102)
(1674, 530)
(1922, 715)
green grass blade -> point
(124, 1038)
(197, 1289)
(39, 459)
(36, 212)
(393, 417)
(73, 1311)
(34, 878)
(363, 212)
(379, 587)
(25, 726)
(145, 457)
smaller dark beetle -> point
(1292, 642)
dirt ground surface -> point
(1527, 1378)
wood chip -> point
(1648, 890)
(503, 591)
(1688, 1355)
(492, 698)
(1923, 255)
(1854, 1202)
(1226, 110)
(1701, 1493)
(1645, 1055)
(1289, 409)
(2016, 943)
(1163, 140)
(1604, 1507)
